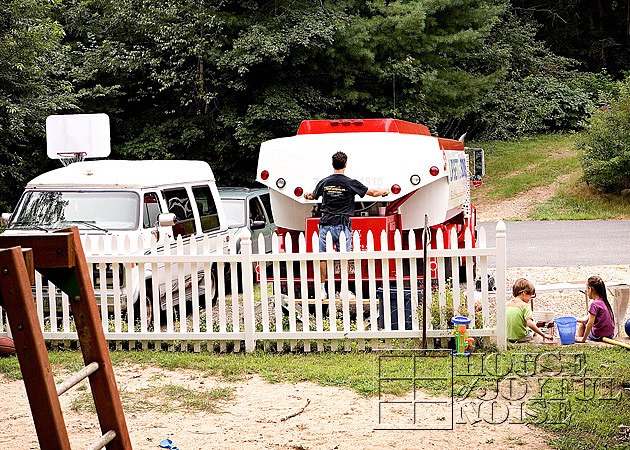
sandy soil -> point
(259, 416)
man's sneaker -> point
(351, 295)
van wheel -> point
(149, 306)
(212, 295)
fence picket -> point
(277, 290)
(318, 283)
(457, 300)
(221, 292)
(155, 290)
(414, 284)
(306, 316)
(439, 237)
(194, 278)
(127, 267)
(207, 288)
(142, 295)
(483, 269)
(344, 290)
(372, 289)
(234, 271)
(288, 245)
(470, 282)
(168, 275)
(358, 286)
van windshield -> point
(235, 212)
(102, 210)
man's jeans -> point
(335, 231)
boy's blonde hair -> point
(523, 286)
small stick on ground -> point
(308, 401)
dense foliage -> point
(606, 145)
(211, 79)
(31, 87)
(594, 32)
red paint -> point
(362, 126)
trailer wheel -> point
(463, 273)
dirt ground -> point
(259, 416)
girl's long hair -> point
(598, 284)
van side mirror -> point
(258, 225)
(4, 219)
(167, 220)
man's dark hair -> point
(339, 160)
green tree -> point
(605, 145)
(31, 88)
(538, 91)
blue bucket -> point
(566, 329)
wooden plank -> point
(15, 290)
(94, 348)
(53, 250)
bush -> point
(605, 145)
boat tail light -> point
(395, 189)
(281, 182)
(298, 191)
(415, 180)
(264, 174)
(434, 171)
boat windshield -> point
(92, 210)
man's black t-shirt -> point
(338, 191)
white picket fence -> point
(274, 311)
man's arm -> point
(377, 192)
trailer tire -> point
(463, 272)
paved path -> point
(564, 243)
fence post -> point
(500, 283)
(248, 291)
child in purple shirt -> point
(600, 321)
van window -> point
(151, 210)
(256, 212)
(207, 208)
(179, 204)
(267, 202)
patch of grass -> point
(576, 201)
(163, 399)
(514, 167)
(517, 166)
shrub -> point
(605, 146)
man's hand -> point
(377, 192)
(309, 196)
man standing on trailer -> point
(337, 192)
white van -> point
(127, 198)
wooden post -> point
(500, 283)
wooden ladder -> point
(59, 257)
